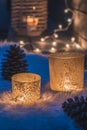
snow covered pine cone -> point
(76, 108)
(13, 62)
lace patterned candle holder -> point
(66, 71)
(26, 87)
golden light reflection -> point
(32, 22)
(37, 50)
(26, 87)
(53, 50)
(66, 71)
(66, 87)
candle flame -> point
(32, 21)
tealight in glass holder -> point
(26, 87)
(66, 71)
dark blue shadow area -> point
(85, 78)
(39, 64)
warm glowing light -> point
(21, 99)
(67, 46)
(73, 39)
(21, 43)
(66, 10)
(66, 87)
(37, 50)
(53, 50)
(34, 8)
(56, 35)
(78, 46)
(54, 43)
(26, 87)
(66, 71)
(69, 20)
(32, 22)
(42, 39)
(60, 26)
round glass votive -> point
(66, 71)
(26, 87)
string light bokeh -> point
(54, 38)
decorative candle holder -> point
(29, 17)
(26, 87)
(66, 71)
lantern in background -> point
(29, 17)
(26, 87)
(66, 71)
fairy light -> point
(60, 26)
(53, 50)
(78, 46)
(42, 39)
(37, 50)
(67, 46)
(73, 39)
(66, 11)
(21, 43)
(56, 35)
(69, 20)
(54, 43)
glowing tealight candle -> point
(26, 87)
(32, 22)
(66, 71)
(66, 87)
(21, 42)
